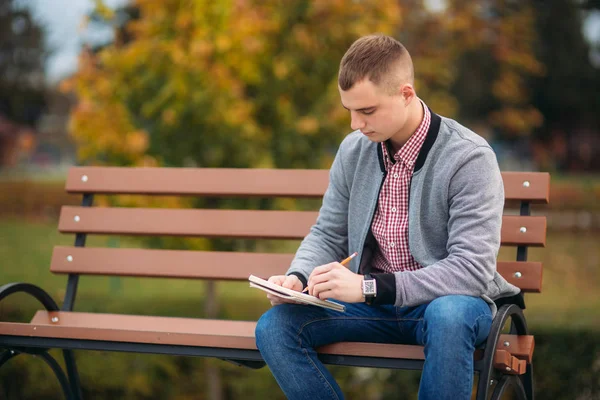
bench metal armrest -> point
(40, 294)
(506, 312)
(515, 313)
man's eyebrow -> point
(360, 109)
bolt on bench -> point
(504, 362)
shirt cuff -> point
(386, 289)
(301, 277)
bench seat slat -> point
(239, 223)
(137, 329)
(519, 346)
(203, 332)
(250, 182)
(218, 265)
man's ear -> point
(407, 91)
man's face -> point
(378, 115)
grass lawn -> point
(569, 298)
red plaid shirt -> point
(390, 223)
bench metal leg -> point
(60, 375)
(72, 373)
(527, 380)
(506, 382)
(246, 363)
(7, 355)
(520, 327)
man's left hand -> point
(334, 281)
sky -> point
(62, 20)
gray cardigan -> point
(455, 215)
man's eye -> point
(368, 112)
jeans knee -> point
(272, 328)
(451, 316)
(263, 329)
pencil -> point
(344, 262)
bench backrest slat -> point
(167, 263)
(258, 224)
(523, 230)
(218, 265)
(187, 222)
(529, 186)
(198, 181)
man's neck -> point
(415, 117)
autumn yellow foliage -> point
(253, 83)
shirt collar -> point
(409, 152)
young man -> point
(420, 197)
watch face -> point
(369, 287)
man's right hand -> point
(290, 282)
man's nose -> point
(356, 122)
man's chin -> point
(374, 137)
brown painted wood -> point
(532, 186)
(534, 235)
(168, 263)
(526, 275)
(237, 223)
(502, 359)
(187, 222)
(520, 346)
(383, 350)
(198, 181)
(205, 332)
(217, 265)
(249, 182)
(138, 329)
(509, 364)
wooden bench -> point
(505, 360)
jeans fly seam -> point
(400, 320)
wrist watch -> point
(369, 288)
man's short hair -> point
(381, 59)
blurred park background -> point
(252, 83)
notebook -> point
(286, 293)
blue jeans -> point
(449, 327)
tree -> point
(567, 94)
(249, 83)
(474, 58)
(21, 77)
